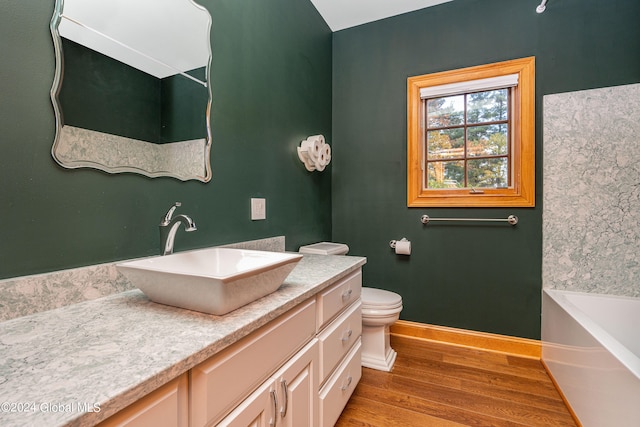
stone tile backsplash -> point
(21, 296)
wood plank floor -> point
(436, 384)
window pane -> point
(445, 144)
(490, 106)
(488, 140)
(445, 174)
(445, 112)
(485, 173)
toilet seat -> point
(380, 300)
(380, 303)
(369, 313)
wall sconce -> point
(315, 153)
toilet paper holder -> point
(392, 243)
(314, 153)
(401, 247)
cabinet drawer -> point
(338, 338)
(334, 299)
(220, 383)
(166, 406)
(337, 391)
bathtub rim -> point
(626, 357)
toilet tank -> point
(325, 248)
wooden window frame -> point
(521, 191)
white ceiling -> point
(109, 27)
(159, 37)
(341, 14)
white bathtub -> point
(591, 347)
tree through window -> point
(467, 139)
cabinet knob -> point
(347, 335)
(346, 386)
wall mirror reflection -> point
(131, 90)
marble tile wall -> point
(591, 188)
(21, 296)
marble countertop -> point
(108, 353)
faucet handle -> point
(167, 218)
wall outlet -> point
(258, 209)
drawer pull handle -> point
(274, 420)
(285, 394)
(347, 336)
(346, 386)
(347, 294)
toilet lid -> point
(372, 297)
(325, 248)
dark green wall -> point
(183, 107)
(271, 84)
(102, 94)
(479, 277)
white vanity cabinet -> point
(298, 370)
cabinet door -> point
(257, 410)
(222, 382)
(289, 398)
(166, 406)
(297, 389)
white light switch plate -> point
(258, 209)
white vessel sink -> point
(212, 280)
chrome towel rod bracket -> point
(542, 7)
(512, 219)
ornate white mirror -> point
(131, 91)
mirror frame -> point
(143, 150)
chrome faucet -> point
(169, 227)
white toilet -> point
(380, 309)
